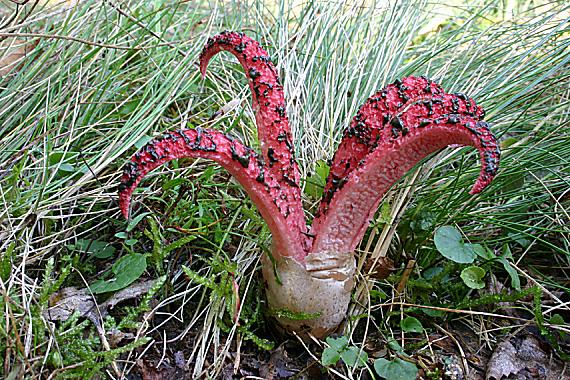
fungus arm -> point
(378, 113)
(241, 161)
(420, 129)
(271, 117)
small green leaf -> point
(316, 182)
(557, 319)
(411, 324)
(395, 346)
(508, 142)
(378, 294)
(507, 254)
(513, 274)
(173, 183)
(330, 356)
(339, 343)
(396, 369)
(136, 220)
(449, 243)
(67, 168)
(520, 239)
(6, 262)
(121, 235)
(473, 277)
(97, 248)
(432, 272)
(126, 270)
(435, 313)
(385, 212)
(179, 243)
(354, 357)
(481, 251)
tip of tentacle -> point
(485, 178)
(124, 201)
(203, 68)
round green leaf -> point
(411, 324)
(339, 343)
(353, 357)
(449, 243)
(396, 369)
(473, 277)
(330, 356)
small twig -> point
(76, 39)
(457, 311)
(405, 276)
(238, 353)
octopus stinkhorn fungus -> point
(311, 272)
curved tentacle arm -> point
(381, 111)
(272, 123)
(354, 204)
(241, 161)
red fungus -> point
(392, 131)
(242, 162)
(271, 118)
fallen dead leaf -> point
(13, 53)
(180, 361)
(248, 367)
(524, 358)
(231, 105)
(70, 300)
(133, 291)
(115, 336)
(383, 267)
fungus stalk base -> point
(320, 287)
